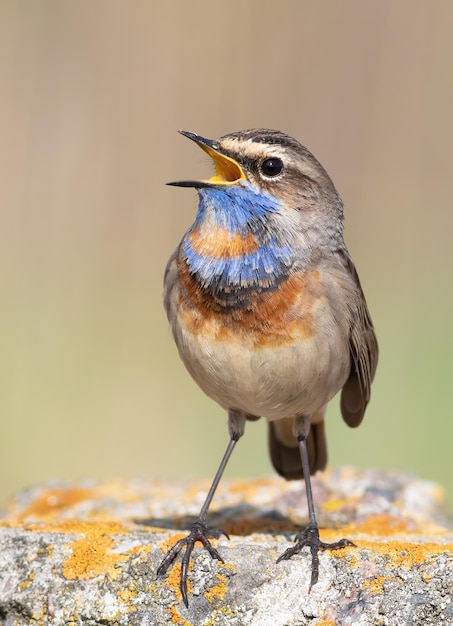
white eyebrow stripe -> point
(257, 150)
(254, 149)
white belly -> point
(273, 381)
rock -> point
(87, 554)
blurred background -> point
(91, 97)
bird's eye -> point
(271, 167)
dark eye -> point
(271, 167)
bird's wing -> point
(364, 352)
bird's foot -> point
(310, 537)
(199, 532)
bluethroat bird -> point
(268, 314)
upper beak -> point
(227, 170)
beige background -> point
(91, 95)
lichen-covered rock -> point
(87, 554)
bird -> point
(268, 314)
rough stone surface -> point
(87, 554)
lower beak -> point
(227, 170)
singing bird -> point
(267, 312)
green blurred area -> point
(91, 96)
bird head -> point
(269, 208)
(270, 163)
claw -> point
(199, 532)
(310, 538)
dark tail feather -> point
(286, 459)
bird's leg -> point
(310, 535)
(200, 531)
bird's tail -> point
(284, 451)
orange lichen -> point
(92, 554)
(382, 525)
(176, 618)
(140, 550)
(376, 584)
(127, 596)
(168, 543)
(218, 592)
(77, 527)
(405, 554)
(399, 554)
(51, 503)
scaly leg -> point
(200, 531)
(310, 535)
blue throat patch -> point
(242, 211)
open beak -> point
(227, 170)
